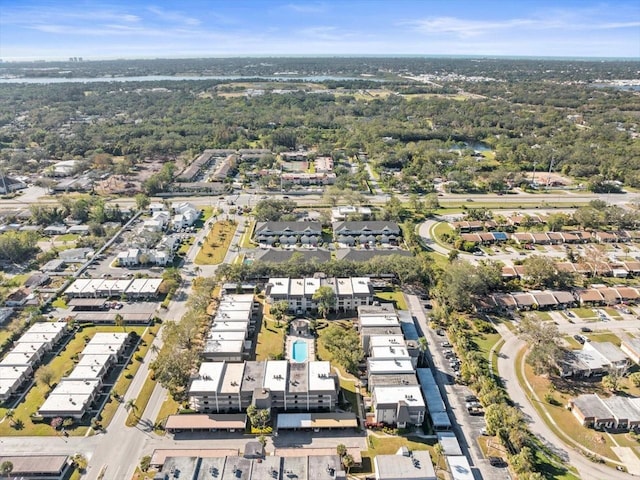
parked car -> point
(579, 339)
(586, 329)
(445, 345)
(440, 332)
(569, 314)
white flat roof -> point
(223, 346)
(411, 394)
(46, 338)
(275, 375)
(238, 297)
(379, 321)
(360, 285)
(94, 361)
(78, 285)
(47, 327)
(310, 286)
(232, 380)
(26, 358)
(210, 377)
(82, 372)
(320, 378)
(459, 467)
(109, 338)
(93, 286)
(396, 467)
(136, 285)
(280, 286)
(229, 327)
(386, 341)
(75, 387)
(379, 353)
(296, 287)
(344, 287)
(151, 285)
(12, 372)
(23, 347)
(382, 367)
(100, 349)
(232, 316)
(223, 335)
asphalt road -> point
(466, 427)
(507, 369)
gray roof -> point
(367, 224)
(282, 256)
(297, 227)
(366, 255)
(591, 406)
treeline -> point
(570, 127)
(501, 68)
(407, 270)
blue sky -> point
(58, 29)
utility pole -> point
(533, 176)
(550, 169)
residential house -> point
(398, 405)
(288, 232)
(367, 232)
(298, 292)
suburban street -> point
(454, 399)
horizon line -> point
(329, 55)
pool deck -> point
(311, 347)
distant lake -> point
(169, 78)
(475, 146)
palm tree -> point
(438, 450)
(423, 345)
(9, 415)
(6, 468)
(120, 322)
(131, 406)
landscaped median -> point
(215, 245)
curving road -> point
(507, 370)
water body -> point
(169, 78)
(475, 146)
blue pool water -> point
(299, 351)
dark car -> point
(579, 339)
(586, 330)
(496, 462)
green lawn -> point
(141, 401)
(565, 425)
(59, 302)
(440, 229)
(270, 343)
(396, 297)
(613, 313)
(245, 240)
(126, 377)
(605, 337)
(61, 366)
(168, 407)
(215, 245)
(573, 344)
(68, 237)
(583, 312)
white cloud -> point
(173, 16)
(307, 7)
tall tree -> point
(326, 299)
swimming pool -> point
(299, 351)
